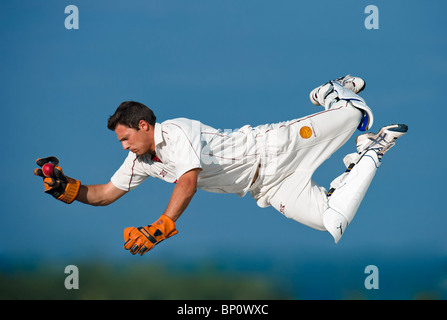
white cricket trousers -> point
(293, 151)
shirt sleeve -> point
(186, 144)
(130, 175)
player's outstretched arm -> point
(100, 194)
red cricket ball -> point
(48, 170)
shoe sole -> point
(312, 99)
(362, 88)
(400, 128)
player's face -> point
(137, 141)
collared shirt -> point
(228, 159)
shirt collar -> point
(158, 137)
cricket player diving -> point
(272, 162)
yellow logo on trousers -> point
(305, 132)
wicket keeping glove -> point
(61, 187)
(143, 239)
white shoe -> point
(382, 141)
(355, 84)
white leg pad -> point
(351, 158)
(335, 223)
(346, 199)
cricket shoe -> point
(355, 84)
(382, 141)
(319, 94)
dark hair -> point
(129, 113)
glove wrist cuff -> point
(168, 225)
(71, 191)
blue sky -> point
(226, 63)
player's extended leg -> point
(301, 199)
(348, 190)
(298, 197)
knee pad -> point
(357, 102)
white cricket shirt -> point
(228, 159)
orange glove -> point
(143, 239)
(61, 187)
